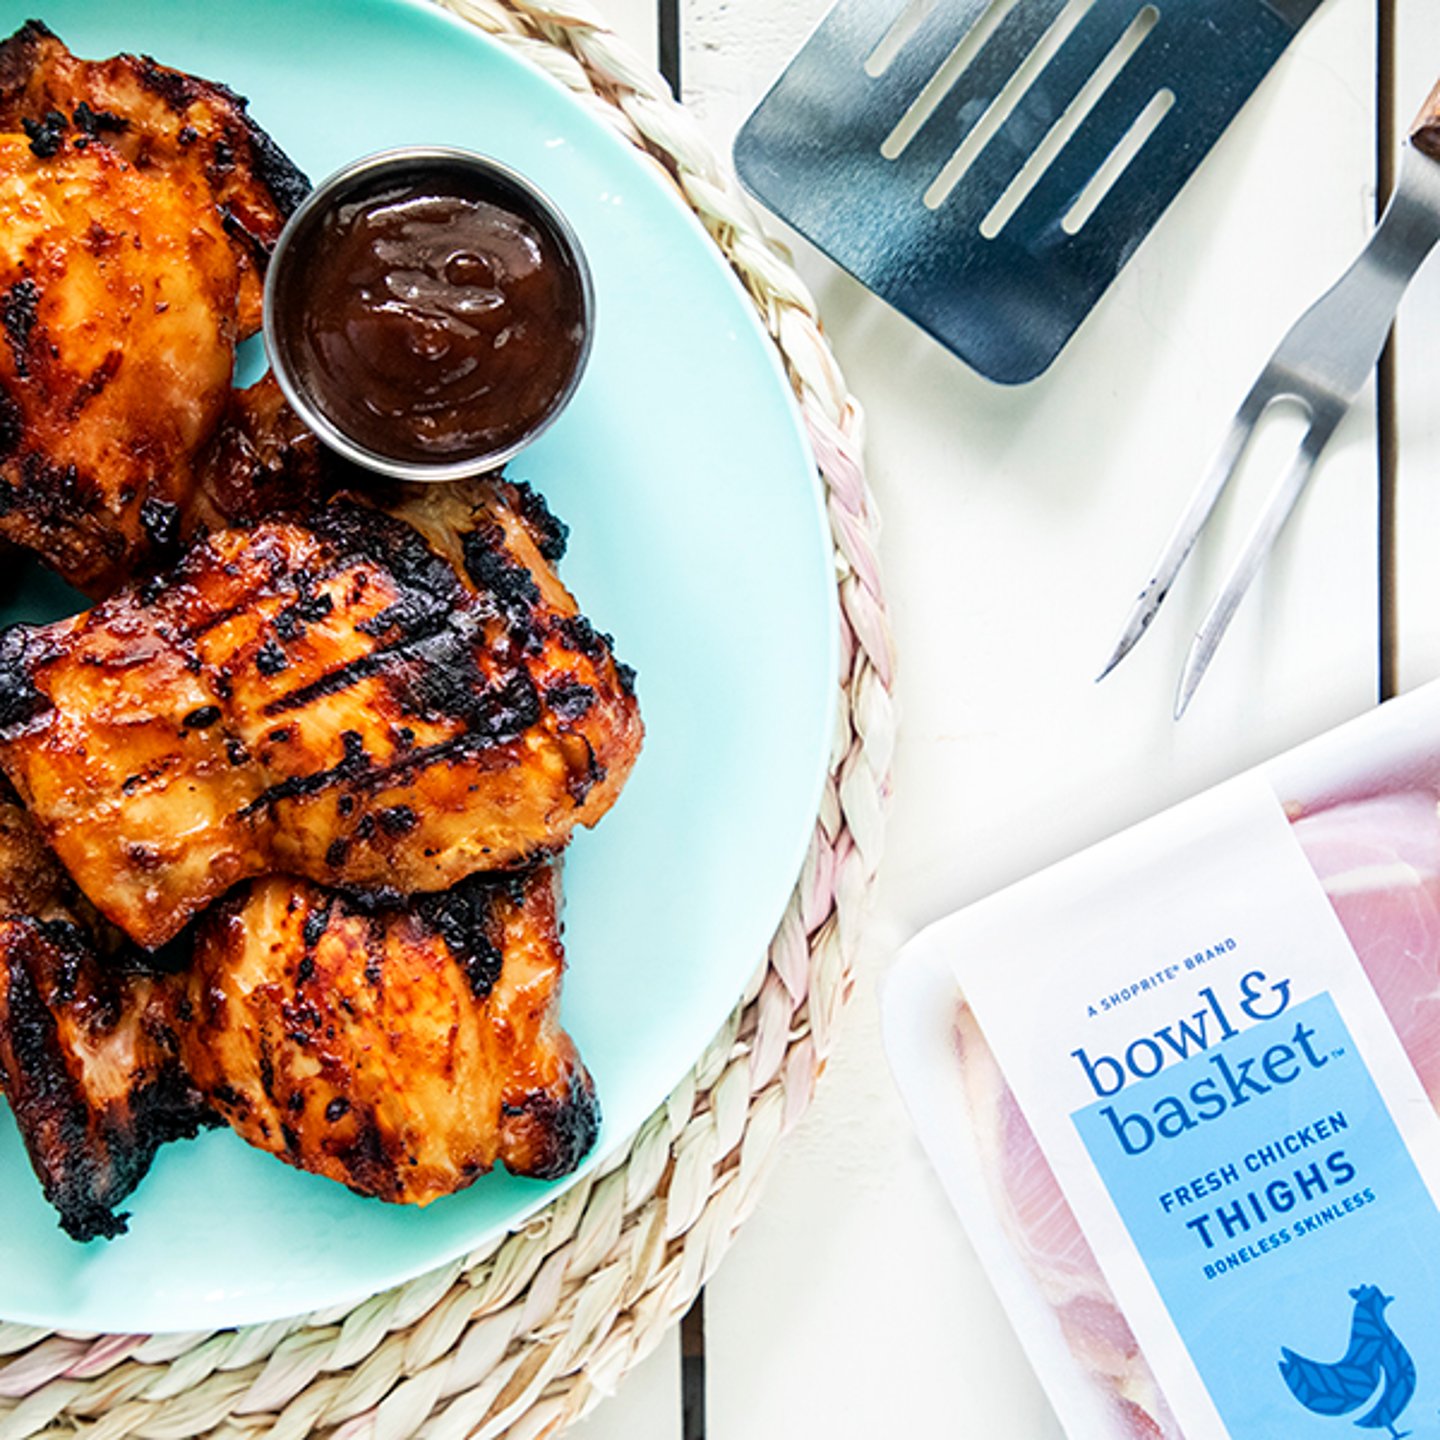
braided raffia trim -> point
(527, 1334)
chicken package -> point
(1183, 1090)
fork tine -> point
(1272, 520)
(1192, 522)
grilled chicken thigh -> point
(89, 1055)
(140, 205)
(401, 1052)
(32, 882)
(89, 1060)
(156, 119)
(262, 464)
(340, 701)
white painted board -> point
(1018, 525)
(646, 1403)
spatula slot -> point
(1118, 161)
(940, 83)
(898, 36)
(1068, 122)
(1003, 105)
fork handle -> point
(1425, 132)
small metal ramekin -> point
(367, 175)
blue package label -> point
(1284, 1223)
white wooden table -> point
(1018, 524)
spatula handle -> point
(1425, 132)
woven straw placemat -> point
(524, 1336)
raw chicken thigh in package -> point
(1183, 1090)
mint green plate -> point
(698, 538)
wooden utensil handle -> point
(1425, 132)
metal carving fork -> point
(1322, 363)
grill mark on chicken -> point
(95, 123)
(98, 379)
(341, 678)
(425, 632)
(12, 425)
(290, 623)
(18, 317)
(248, 598)
(351, 769)
(492, 568)
(448, 685)
(462, 918)
(211, 622)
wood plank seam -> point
(692, 1326)
(669, 41)
(692, 1371)
(1387, 409)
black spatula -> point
(987, 166)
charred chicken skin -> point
(89, 1052)
(339, 701)
(140, 206)
(400, 1052)
(89, 1056)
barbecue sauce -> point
(439, 320)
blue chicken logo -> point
(1374, 1360)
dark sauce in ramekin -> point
(434, 318)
